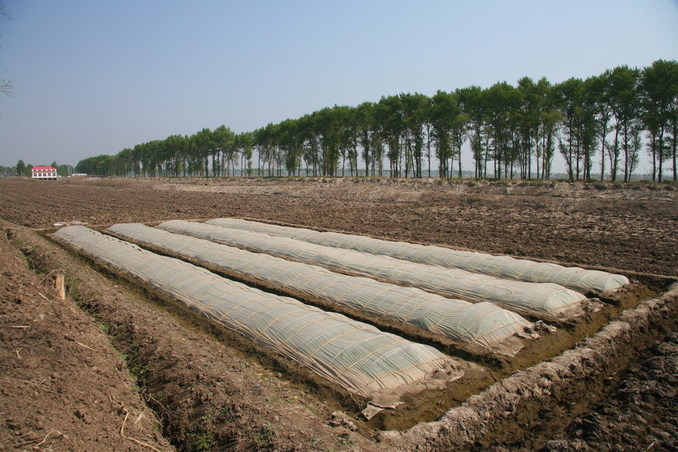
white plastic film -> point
(502, 266)
(355, 355)
(481, 324)
(542, 298)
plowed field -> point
(113, 365)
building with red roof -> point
(44, 172)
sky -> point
(95, 77)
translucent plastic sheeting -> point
(482, 324)
(543, 298)
(355, 355)
(501, 266)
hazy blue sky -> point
(93, 77)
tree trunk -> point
(602, 160)
(615, 155)
(675, 131)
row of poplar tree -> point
(599, 125)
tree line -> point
(6, 171)
(599, 125)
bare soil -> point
(630, 227)
(116, 366)
(63, 386)
(640, 411)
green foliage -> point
(199, 442)
(63, 170)
(659, 106)
(508, 130)
(263, 436)
(6, 171)
(20, 168)
(101, 165)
